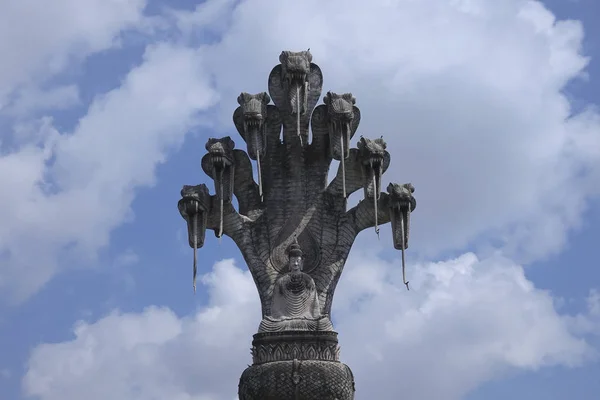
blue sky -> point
(488, 108)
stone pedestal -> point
(296, 365)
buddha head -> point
(295, 255)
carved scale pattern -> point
(297, 380)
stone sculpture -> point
(294, 304)
(293, 227)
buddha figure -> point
(295, 304)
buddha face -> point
(295, 263)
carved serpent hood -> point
(194, 207)
(340, 114)
(254, 114)
(342, 120)
(295, 67)
(251, 116)
(402, 203)
(220, 153)
(219, 164)
(373, 159)
(372, 156)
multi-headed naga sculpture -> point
(293, 226)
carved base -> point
(296, 365)
(295, 345)
(297, 380)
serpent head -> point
(193, 207)
(254, 111)
(372, 155)
(220, 152)
(401, 196)
(295, 67)
(402, 203)
(340, 114)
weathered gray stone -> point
(295, 353)
(294, 304)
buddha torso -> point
(295, 304)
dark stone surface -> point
(297, 380)
(290, 345)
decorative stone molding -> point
(297, 380)
(301, 345)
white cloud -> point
(211, 17)
(464, 322)
(31, 99)
(81, 184)
(38, 42)
(155, 354)
(594, 303)
(468, 95)
(589, 323)
(127, 258)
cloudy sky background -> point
(489, 108)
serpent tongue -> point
(260, 190)
(220, 233)
(218, 171)
(194, 216)
(297, 96)
(298, 92)
(253, 131)
(375, 206)
(346, 134)
(195, 235)
(343, 166)
(404, 230)
(376, 177)
(344, 152)
(400, 218)
(298, 113)
(403, 251)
